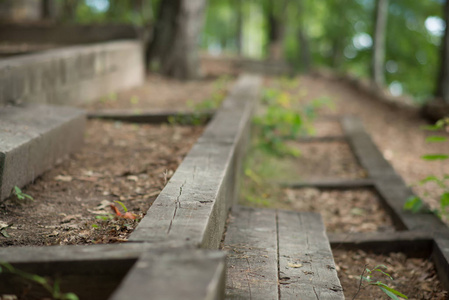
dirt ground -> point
(342, 211)
(397, 133)
(164, 94)
(119, 162)
(413, 277)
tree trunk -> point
(275, 16)
(174, 48)
(48, 9)
(69, 10)
(239, 35)
(378, 56)
(304, 48)
(442, 90)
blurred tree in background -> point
(402, 49)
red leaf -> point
(115, 210)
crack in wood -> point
(177, 204)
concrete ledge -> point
(33, 138)
(71, 75)
(192, 208)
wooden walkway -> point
(279, 255)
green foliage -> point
(371, 279)
(53, 288)
(416, 204)
(19, 195)
(332, 29)
(201, 111)
(281, 120)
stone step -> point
(33, 138)
(279, 255)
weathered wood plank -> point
(321, 139)
(149, 116)
(339, 184)
(73, 253)
(306, 265)
(252, 260)
(181, 274)
(392, 189)
(441, 258)
(192, 208)
(413, 243)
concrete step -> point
(279, 255)
(33, 138)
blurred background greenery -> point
(336, 34)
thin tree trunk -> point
(48, 9)
(239, 37)
(442, 90)
(378, 56)
(304, 48)
(174, 47)
(306, 58)
(275, 15)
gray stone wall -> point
(71, 75)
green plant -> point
(52, 288)
(201, 111)
(415, 203)
(372, 280)
(19, 195)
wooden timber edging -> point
(150, 116)
(276, 254)
(190, 213)
(390, 186)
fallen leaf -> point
(292, 265)
(69, 218)
(63, 178)
(132, 178)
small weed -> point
(281, 119)
(51, 287)
(18, 196)
(372, 280)
(414, 203)
(201, 111)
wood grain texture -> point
(178, 274)
(252, 260)
(306, 265)
(192, 208)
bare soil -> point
(319, 161)
(125, 162)
(342, 211)
(159, 93)
(413, 277)
(398, 133)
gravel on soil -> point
(119, 162)
(342, 211)
(413, 277)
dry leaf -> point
(64, 178)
